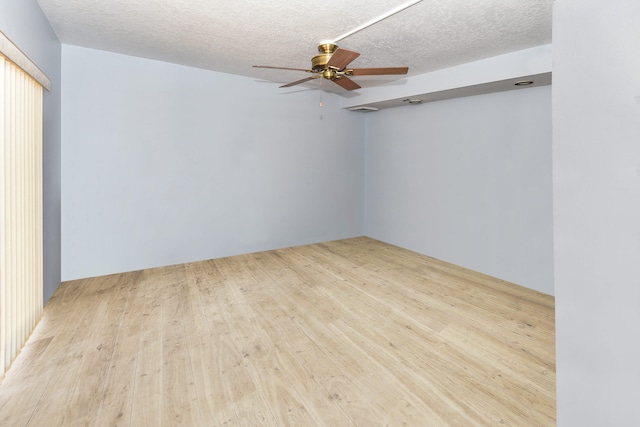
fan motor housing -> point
(319, 62)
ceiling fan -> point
(331, 63)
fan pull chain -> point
(321, 91)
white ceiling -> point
(231, 36)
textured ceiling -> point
(231, 36)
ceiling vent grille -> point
(363, 109)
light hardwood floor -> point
(352, 332)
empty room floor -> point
(353, 332)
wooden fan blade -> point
(341, 58)
(378, 71)
(282, 68)
(346, 83)
(297, 82)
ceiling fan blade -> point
(297, 82)
(378, 71)
(341, 58)
(346, 83)
(282, 68)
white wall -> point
(596, 184)
(467, 181)
(164, 164)
(25, 24)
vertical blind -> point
(21, 249)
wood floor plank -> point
(354, 332)
(357, 312)
(116, 396)
(516, 328)
(148, 389)
(98, 348)
(249, 344)
(72, 345)
(343, 375)
(177, 375)
(526, 389)
(217, 363)
(289, 370)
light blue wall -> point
(164, 164)
(596, 186)
(467, 181)
(24, 23)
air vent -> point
(363, 109)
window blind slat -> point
(20, 210)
